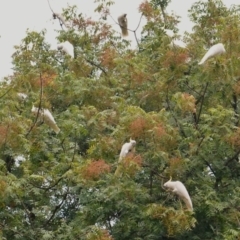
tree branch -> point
(202, 100)
(56, 209)
(232, 158)
(175, 119)
(96, 65)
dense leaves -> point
(183, 116)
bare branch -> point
(96, 65)
(56, 209)
(50, 6)
(202, 100)
(229, 160)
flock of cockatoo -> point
(45, 115)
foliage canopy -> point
(184, 118)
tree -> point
(183, 117)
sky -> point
(18, 16)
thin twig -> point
(201, 106)
(96, 65)
(139, 23)
(54, 14)
(232, 158)
(56, 209)
(50, 6)
(7, 91)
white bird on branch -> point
(67, 47)
(46, 116)
(213, 51)
(22, 96)
(126, 148)
(178, 188)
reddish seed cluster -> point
(234, 139)
(107, 57)
(94, 169)
(188, 103)
(173, 59)
(146, 9)
(139, 77)
(159, 130)
(236, 88)
(47, 79)
(105, 32)
(138, 127)
(132, 158)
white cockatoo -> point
(122, 21)
(178, 188)
(61, 19)
(46, 116)
(213, 51)
(67, 47)
(22, 96)
(126, 148)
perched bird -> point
(46, 116)
(213, 51)
(22, 96)
(61, 19)
(122, 21)
(126, 148)
(178, 188)
(67, 47)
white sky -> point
(16, 16)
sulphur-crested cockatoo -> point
(22, 96)
(61, 19)
(46, 116)
(67, 47)
(126, 148)
(178, 188)
(122, 21)
(213, 51)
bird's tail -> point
(124, 31)
(188, 203)
(55, 128)
(118, 172)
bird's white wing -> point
(124, 151)
(183, 194)
(67, 47)
(22, 96)
(212, 52)
(49, 120)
